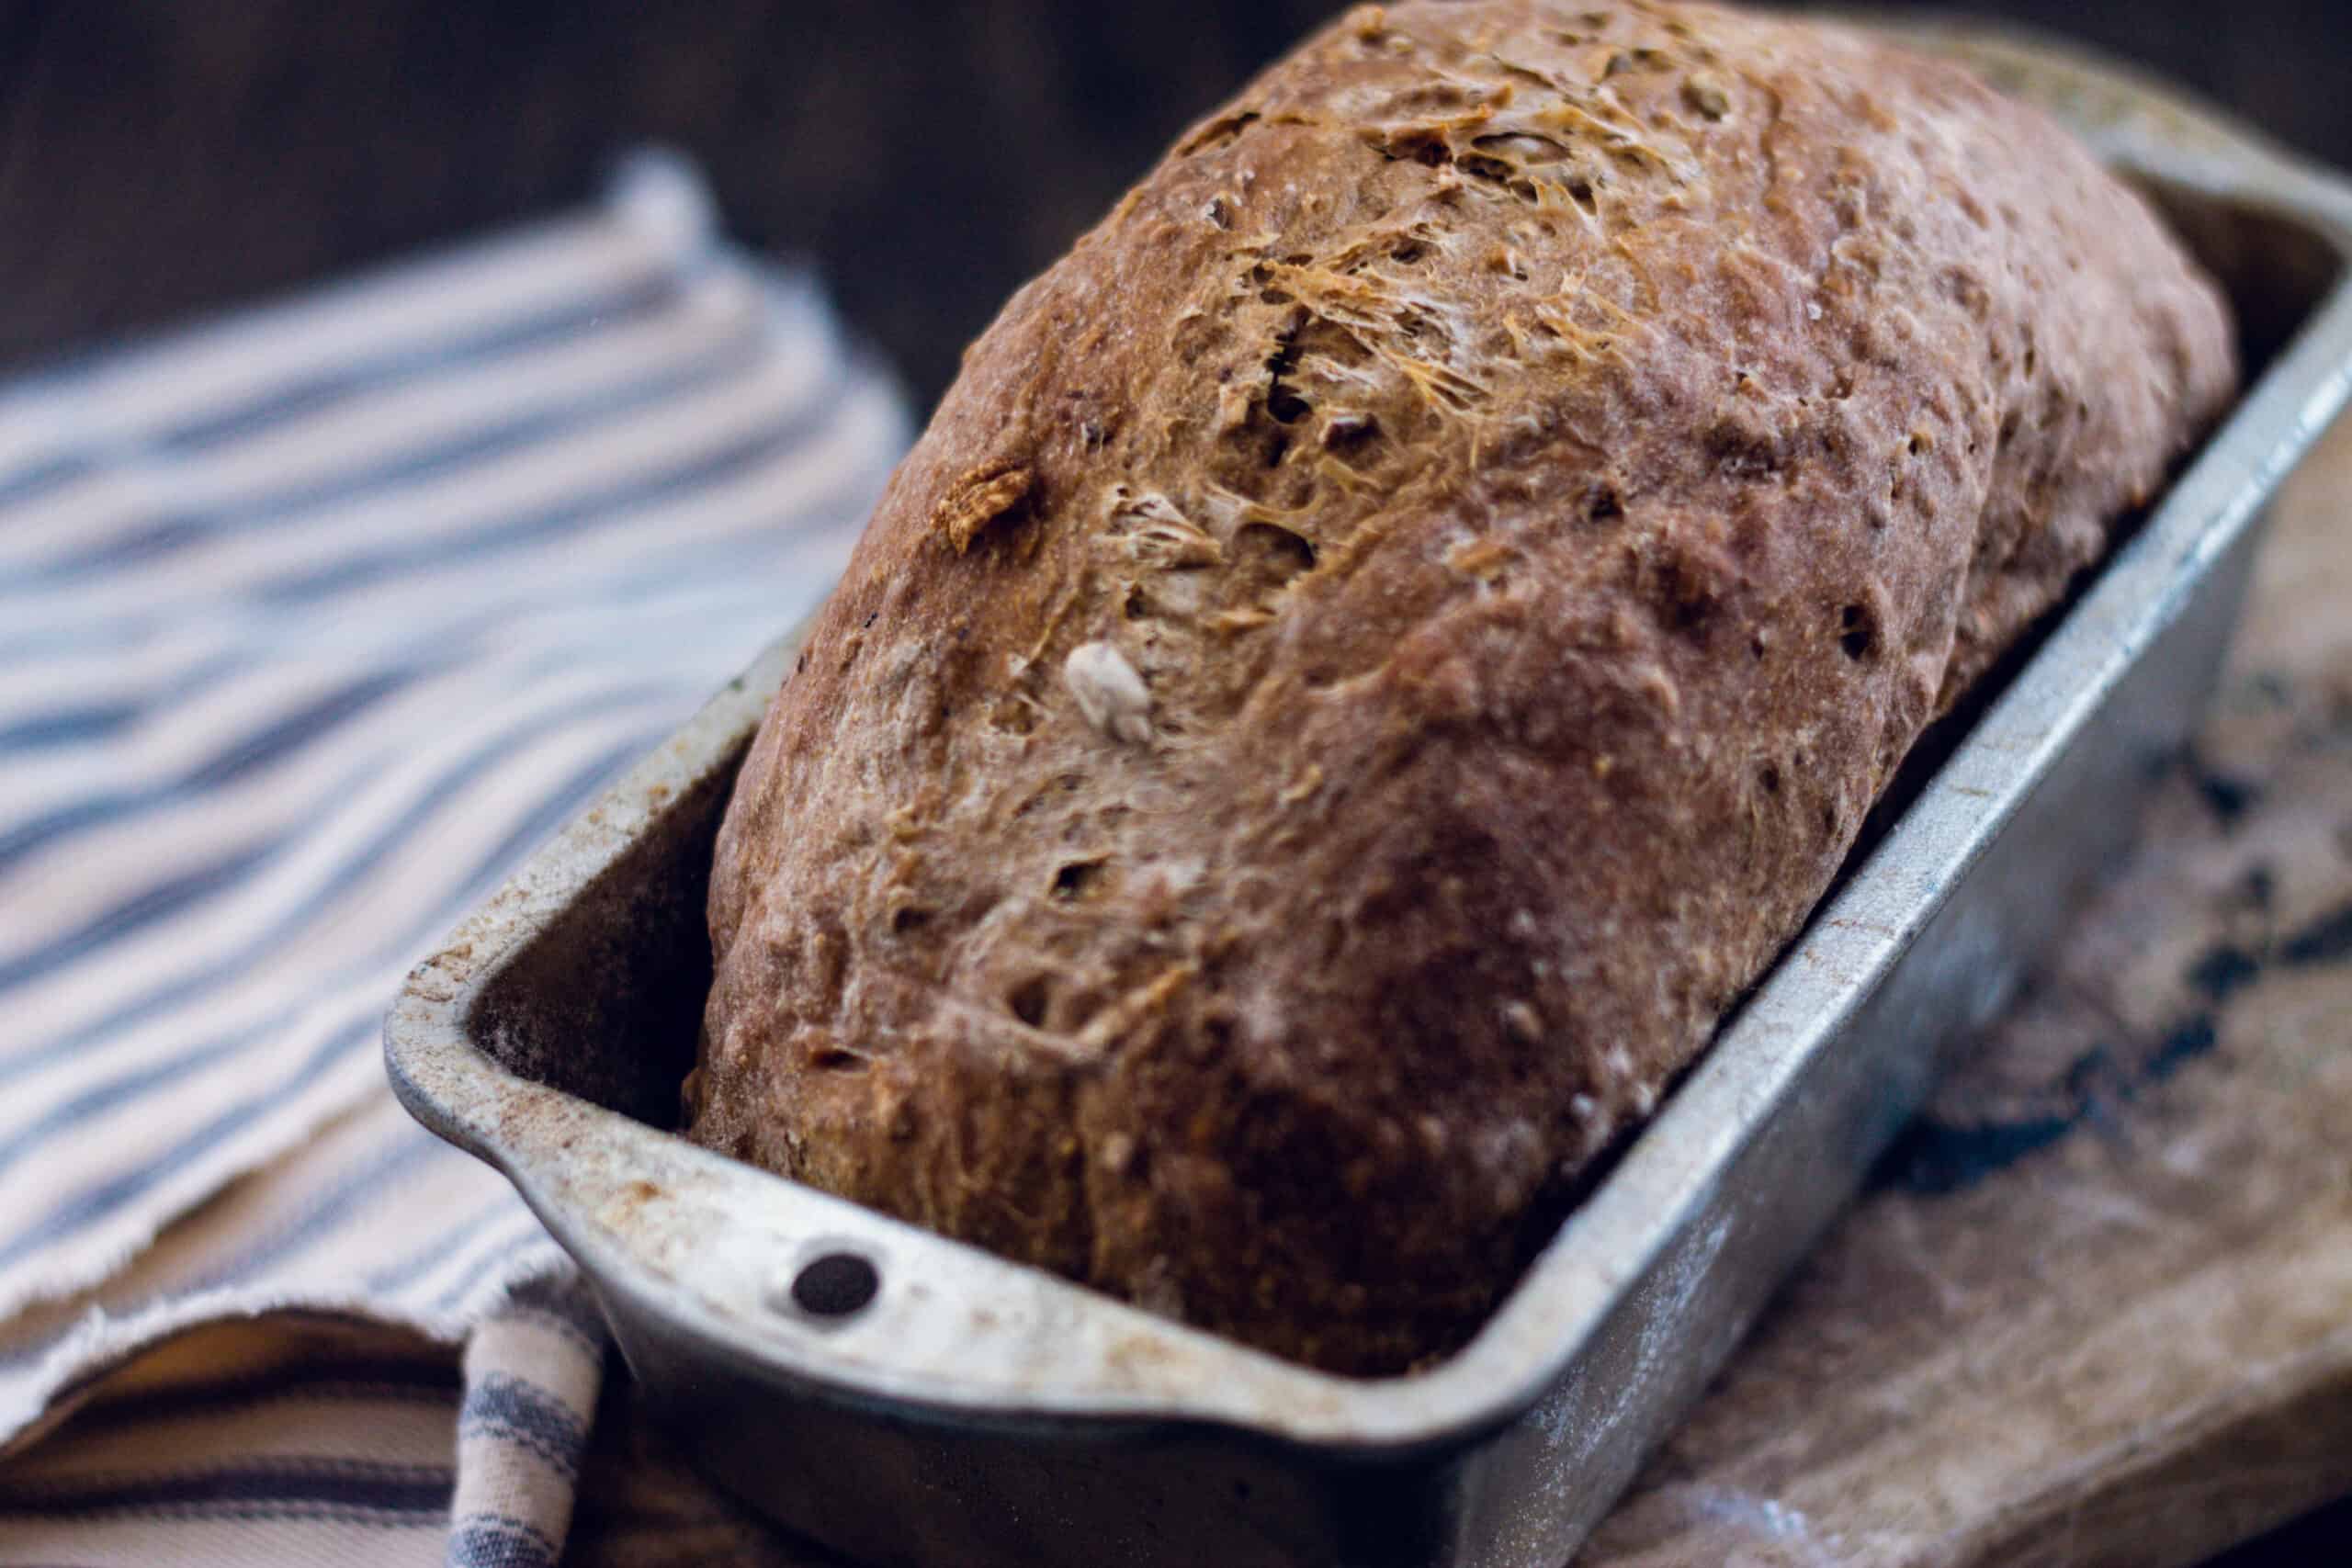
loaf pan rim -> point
(454, 1087)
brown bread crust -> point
(1385, 641)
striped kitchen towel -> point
(311, 621)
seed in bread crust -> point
(1109, 691)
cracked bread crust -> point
(1385, 641)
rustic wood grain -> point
(2099, 1308)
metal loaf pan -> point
(973, 1412)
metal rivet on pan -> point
(835, 1285)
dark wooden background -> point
(159, 156)
(162, 157)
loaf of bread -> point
(1387, 640)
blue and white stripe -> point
(311, 621)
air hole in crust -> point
(1855, 633)
(1769, 777)
(1076, 879)
(1349, 434)
(1282, 401)
(911, 917)
(1273, 552)
(1029, 1000)
(1217, 132)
